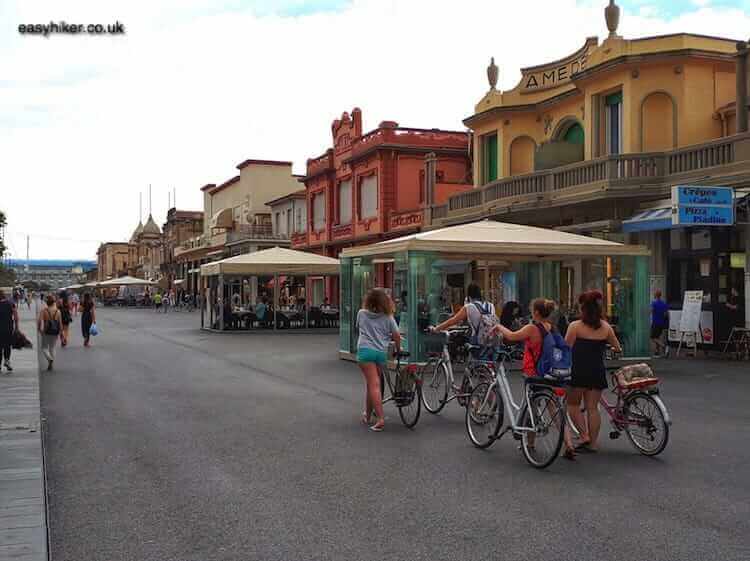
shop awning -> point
(276, 260)
(488, 239)
(649, 221)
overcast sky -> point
(196, 86)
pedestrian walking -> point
(588, 337)
(63, 305)
(157, 301)
(74, 302)
(8, 326)
(659, 322)
(49, 325)
(376, 330)
(88, 318)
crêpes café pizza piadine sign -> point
(538, 78)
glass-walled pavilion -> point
(510, 262)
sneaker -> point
(8, 367)
(49, 364)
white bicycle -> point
(538, 421)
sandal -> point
(377, 427)
(365, 419)
(570, 454)
(585, 447)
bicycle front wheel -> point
(435, 386)
(542, 445)
(484, 415)
(645, 424)
(408, 398)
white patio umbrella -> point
(125, 281)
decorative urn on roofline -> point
(612, 17)
(492, 73)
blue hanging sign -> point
(702, 206)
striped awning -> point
(649, 221)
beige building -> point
(289, 214)
(237, 218)
(145, 256)
(112, 260)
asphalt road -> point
(165, 443)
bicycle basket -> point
(635, 376)
(433, 342)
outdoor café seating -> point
(274, 289)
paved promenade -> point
(23, 528)
(169, 444)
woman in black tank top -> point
(588, 337)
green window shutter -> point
(613, 99)
(491, 154)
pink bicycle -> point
(638, 411)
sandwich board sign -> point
(690, 318)
(702, 206)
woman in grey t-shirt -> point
(376, 330)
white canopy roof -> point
(125, 281)
(271, 261)
(489, 238)
(73, 287)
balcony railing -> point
(254, 232)
(439, 212)
(623, 170)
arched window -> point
(658, 122)
(522, 155)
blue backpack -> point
(555, 362)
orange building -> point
(382, 184)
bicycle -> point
(405, 388)
(638, 411)
(538, 421)
(438, 381)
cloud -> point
(195, 87)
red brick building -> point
(379, 185)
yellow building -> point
(594, 142)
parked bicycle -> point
(538, 421)
(404, 388)
(438, 381)
(638, 411)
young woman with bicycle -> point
(588, 337)
(376, 330)
(471, 312)
(531, 334)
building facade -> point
(181, 226)
(289, 215)
(593, 143)
(145, 251)
(378, 185)
(237, 218)
(112, 260)
(50, 273)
